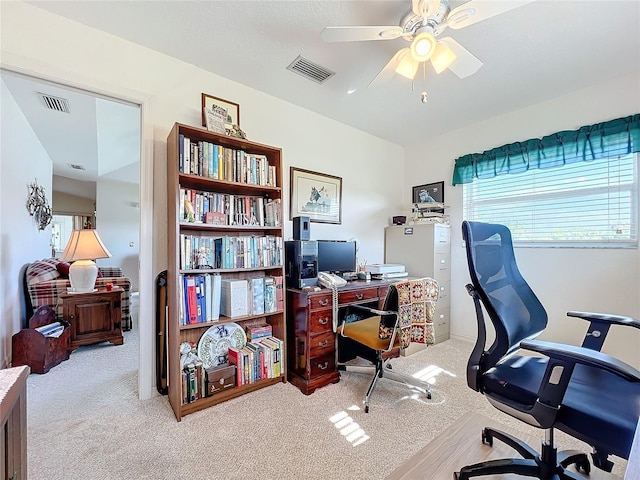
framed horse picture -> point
(315, 195)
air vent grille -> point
(310, 70)
(75, 166)
(55, 103)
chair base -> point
(383, 369)
(549, 465)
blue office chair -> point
(579, 390)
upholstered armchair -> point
(46, 279)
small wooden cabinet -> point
(94, 317)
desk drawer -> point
(322, 344)
(319, 301)
(322, 365)
(320, 321)
(358, 295)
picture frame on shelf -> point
(315, 195)
(215, 119)
(232, 108)
(429, 193)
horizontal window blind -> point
(587, 203)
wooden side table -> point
(94, 317)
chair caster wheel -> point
(366, 409)
(585, 467)
(429, 396)
(487, 438)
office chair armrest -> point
(562, 360)
(584, 356)
(599, 326)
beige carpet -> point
(86, 422)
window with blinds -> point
(582, 204)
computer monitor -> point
(336, 256)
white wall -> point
(602, 280)
(20, 240)
(118, 223)
(37, 42)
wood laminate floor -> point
(461, 445)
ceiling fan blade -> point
(425, 8)
(466, 63)
(389, 70)
(478, 10)
(359, 34)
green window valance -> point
(621, 135)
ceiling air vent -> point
(55, 103)
(310, 70)
(75, 166)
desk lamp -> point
(83, 247)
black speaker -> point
(301, 226)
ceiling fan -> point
(422, 26)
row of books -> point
(230, 251)
(226, 209)
(205, 297)
(254, 296)
(257, 360)
(200, 298)
(210, 160)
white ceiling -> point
(538, 51)
(98, 134)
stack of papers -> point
(54, 329)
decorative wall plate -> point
(215, 342)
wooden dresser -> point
(311, 342)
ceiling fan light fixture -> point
(407, 67)
(423, 46)
(442, 57)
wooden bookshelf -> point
(234, 180)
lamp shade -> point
(442, 57)
(83, 247)
(407, 66)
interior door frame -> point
(146, 327)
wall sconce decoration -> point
(37, 205)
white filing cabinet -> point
(425, 251)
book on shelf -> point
(234, 298)
(270, 302)
(211, 160)
(200, 298)
(255, 332)
(257, 295)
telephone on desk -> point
(329, 280)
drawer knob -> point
(323, 366)
(323, 344)
(323, 321)
(323, 302)
(359, 296)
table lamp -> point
(83, 247)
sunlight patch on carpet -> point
(348, 428)
(430, 373)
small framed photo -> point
(213, 103)
(315, 195)
(429, 193)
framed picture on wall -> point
(429, 193)
(315, 195)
